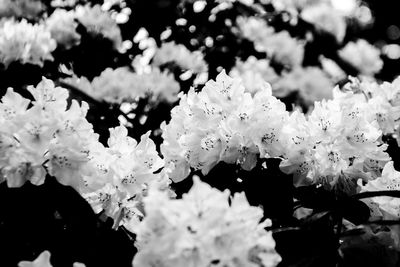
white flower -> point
(62, 27)
(121, 174)
(24, 42)
(29, 9)
(327, 19)
(47, 134)
(363, 56)
(338, 141)
(382, 99)
(119, 85)
(99, 22)
(202, 229)
(311, 83)
(177, 53)
(279, 46)
(223, 122)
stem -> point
(387, 193)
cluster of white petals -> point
(223, 122)
(122, 85)
(121, 174)
(177, 53)
(46, 137)
(28, 9)
(62, 26)
(99, 22)
(24, 42)
(327, 19)
(342, 137)
(312, 83)
(390, 180)
(339, 138)
(363, 56)
(279, 46)
(43, 260)
(204, 228)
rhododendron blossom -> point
(338, 140)
(203, 228)
(279, 46)
(180, 55)
(47, 137)
(121, 84)
(223, 122)
(363, 56)
(121, 174)
(62, 26)
(28, 9)
(24, 42)
(99, 22)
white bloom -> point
(202, 228)
(126, 168)
(46, 134)
(99, 22)
(340, 138)
(24, 42)
(327, 19)
(363, 56)
(223, 122)
(119, 85)
(311, 83)
(279, 46)
(62, 27)
(180, 55)
(29, 9)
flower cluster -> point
(327, 19)
(176, 53)
(24, 42)
(206, 227)
(62, 26)
(99, 22)
(340, 138)
(46, 137)
(49, 138)
(363, 56)
(223, 122)
(311, 83)
(279, 46)
(122, 85)
(29, 9)
(121, 174)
